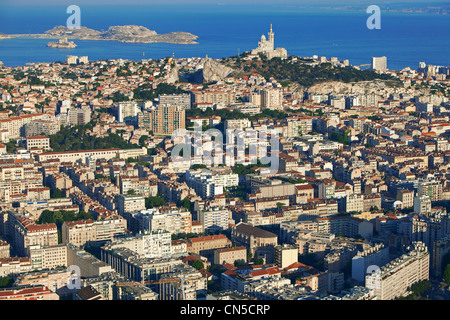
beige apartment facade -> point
(230, 255)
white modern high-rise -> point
(83, 59)
(422, 204)
(79, 116)
(77, 60)
(379, 64)
(214, 218)
(377, 255)
(272, 98)
(155, 244)
(395, 278)
(71, 59)
(182, 100)
(127, 111)
(209, 184)
(174, 220)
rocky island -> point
(128, 33)
(4, 36)
(62, 44)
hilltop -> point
(302, 72)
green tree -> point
(56, 193)
(280, 205)
(239, 263)
(77, 138)
(60, 216)
(11, 147)
(420, 288)
(142, 140)
(119, 97)
(447, 274)
(197, 264)
(156, 201)
(6, 282)
(132, 160)
(185, 203)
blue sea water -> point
(223, 30)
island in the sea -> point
(4, 36)
(62, 44)
(128, 33)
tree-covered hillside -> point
(304, 74)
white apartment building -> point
(422, 204)
(127, 111)
(214, 218)
(182, 100)
(354, 203)
(374, 256)
(130, 203)
(73, 156)
(430, 188)
(271, 98)
(208, 184)
(47, 257)
(78, 116)
(80, 232)
(38, 142)
(28, 234)
(237, 124)
(15, 265)
(394, 279)
(175, 220)
(156, 244)
(379, 64)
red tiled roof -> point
(230, 273)
(208, 238)
(296, 265)
(229, 266)
(24, 291)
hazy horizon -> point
(218, 2)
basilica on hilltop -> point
(267, 47)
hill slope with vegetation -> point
(302, 71)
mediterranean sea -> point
(224, 30)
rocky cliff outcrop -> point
(172, 75)
(215, 71)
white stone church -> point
(267, 47)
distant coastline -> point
(384, 8)
(127, 34)
(301, 32)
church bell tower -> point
(272, 37)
